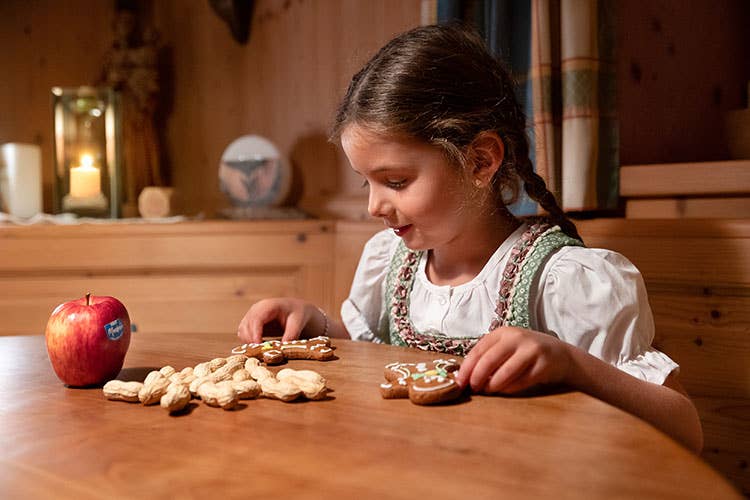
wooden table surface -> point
(72, 443)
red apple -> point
(87, 339)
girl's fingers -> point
(293, 326)
(498, 353)
(470, 361)
(463, 375)
(251, 328)
(530, 377)
(513, 372)
(255, 329)
(246, 329)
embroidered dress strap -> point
(527, 256)
(399, 281)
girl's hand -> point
(292, 314)
(510, 359)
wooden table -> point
(72, 443)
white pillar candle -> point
(85, 195)
(85, 180)
(21, 179)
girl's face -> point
(412, 187)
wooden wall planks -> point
(172, 278)
(686, 179)
(44, 44)
(284, 84)
(672, 86)
(286, 81)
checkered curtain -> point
(573, 93)
(562, 55)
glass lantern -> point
(87, 153)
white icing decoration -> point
(240, 349)
(448, 383)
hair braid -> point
(517, 163)
(536, 188)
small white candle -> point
(85, 180)
(21, 179)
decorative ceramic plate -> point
(252, 173)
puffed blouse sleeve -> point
(362, 312)
(596, 300)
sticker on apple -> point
(114, 329)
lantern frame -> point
(87, 146)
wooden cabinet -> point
(191, 276)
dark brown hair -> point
(440, 84)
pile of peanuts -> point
(221, 382)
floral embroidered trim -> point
(517, 255)
(517, 312)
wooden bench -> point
(698, 277)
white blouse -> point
(592, 298)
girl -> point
(433, 126)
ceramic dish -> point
(252, 173)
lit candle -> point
(85, 196)
(85, 180)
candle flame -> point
(87, 160)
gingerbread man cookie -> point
(423, 383)
(274, 352)
(268, 352)
(317, 348)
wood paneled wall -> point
(194, 276)
(680, 67)
(285, 82)
(44, 44)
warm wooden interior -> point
(673, 87)
(681, 66)
(698, 277)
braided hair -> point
(440, 84)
